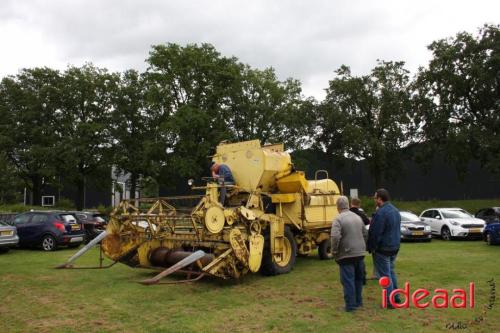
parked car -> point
(93, 223)
(453, 223)
(489, 215)
(491, 233)
(48, 229)
(412, 228)
(8, 237)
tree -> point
(84, 122)
(368, 117)
(187, 87)
(29, 104)
(459, 98)
(264, 108)
(134, 148)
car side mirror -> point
(438, 217)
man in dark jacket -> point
(348, 238)
(356, 209)
(384, 238)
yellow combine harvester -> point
(271, 214)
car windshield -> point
(409, 217)
(455, 214)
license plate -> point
(6, 233)
(76, 239)
(475, 230)
(417, 233)
(75, 227)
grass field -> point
(37, 298)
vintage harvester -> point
(270, 215)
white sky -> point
(306, 40)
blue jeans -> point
(223, 190)
(384, 266)
(351, 276)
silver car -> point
(8, 237)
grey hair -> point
(342, 202)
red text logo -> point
(422, 298)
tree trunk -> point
(133, 184)
(80, 189)
(36, 181)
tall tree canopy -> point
(87, 96)
(368, 117)
(459, 95)
(29, 106)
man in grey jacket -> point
(348, 247)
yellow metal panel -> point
(283, 198)
(252, 165)
(294, 182)
(323, 186)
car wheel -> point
(489, 239)
(4, 249)
(445, 234)
(49, 243)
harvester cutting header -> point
(269, 215)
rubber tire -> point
(268, 266)
(445, 233)
(489, 240)
(324, 250)
(89, 235)
(4, 249)
(49, 243)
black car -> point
(489, 215)
(93, 223)
(48, 229)
(412, 228)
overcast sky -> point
(306, 40)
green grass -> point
(37, 298)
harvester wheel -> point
(325, 250)
(269, 265)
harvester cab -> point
(271, 214)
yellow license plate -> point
(475, 230)
(75, 227)
(417, 233)
(6, 233)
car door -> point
(425, 217)
(38, 227)
(21, 222)
(438, 221)
(430, 219)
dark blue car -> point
(48, 230)
(491, 216)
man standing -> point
(384, 238)
(224, 176)
(356, 209)
(348, 248)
